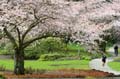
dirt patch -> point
(63, 73)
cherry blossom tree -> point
(25, 21)
(97, 19)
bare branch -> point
(19, 36)
(34, 11)
(8, 1)
(34, 24)
(10, 37)
(18, 32)
(27, 43)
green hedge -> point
(44, 46)
(50, 57)
(32, 55)
(85, 57)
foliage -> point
(50, 44)
(26, 14)
(4, 52)
(74, 46)
(31, 54)
(6, 49)
(97, 55)
(48, 65)
(55, 45)
(37, 51)
(85, 57)
(44, 46)
(50, 57)
(41, 47)
(69, 58)
(26, 21)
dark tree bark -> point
(19, 43)
(19, 61)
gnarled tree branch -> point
(34, 25)
(27, 43)
(10, 37)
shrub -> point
(50, 57)
(70, 58)
(85, 57)
(6, 49)
(97, 55)
(50, 44)
(3, 52)
(44, 46)
(31, 55)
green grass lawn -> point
(48, 65)
(114, 65)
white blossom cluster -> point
(84, 21)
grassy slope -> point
(48, 65)
(115, 65)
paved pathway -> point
(97, 65)
(111, 51)
(5, 56)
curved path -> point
(97, 65)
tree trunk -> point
(19, 61)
